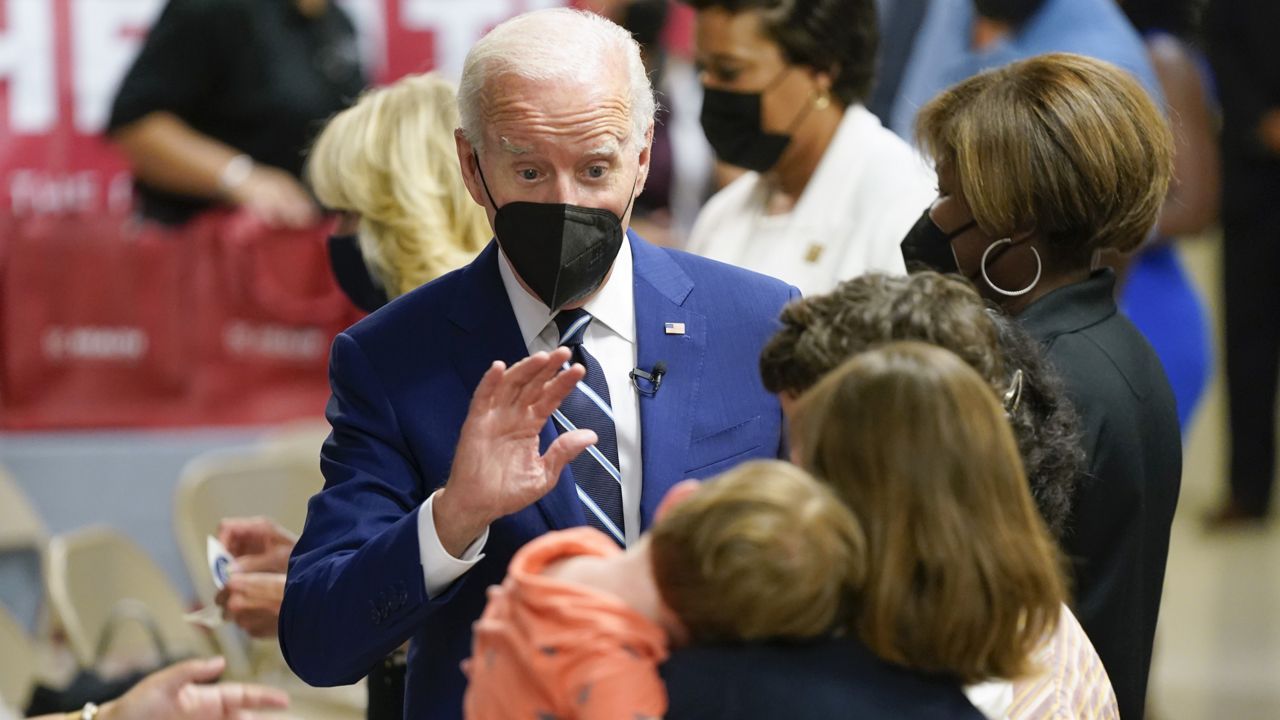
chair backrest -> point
(273, 479)
(17, 663)
(103, 585)
(301, 437)
(258, 480)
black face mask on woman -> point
(734, 126)
(927, 244)
(562, 252)
(352, 273)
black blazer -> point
(1118, 535)
(832, 678)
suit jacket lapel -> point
(488, 332)
(666, 418)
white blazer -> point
(868, 190)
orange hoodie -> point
(546, 649)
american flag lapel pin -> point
(674, 328)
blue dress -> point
(1160, 299)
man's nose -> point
(566, 190)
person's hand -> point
(175, 694)
(497, 469)
(257, 544)
(252, 601)
(276, 198)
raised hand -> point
(497, 469)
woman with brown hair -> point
(962, 577)
(819, 332)
(1043, 165)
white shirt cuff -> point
(439, 568)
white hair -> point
(553, 44)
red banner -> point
(61, 61)
(105, 323)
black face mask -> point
(562, 252)
(733, 125)
(352, 274)
(926, 244)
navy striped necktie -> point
(588, 407)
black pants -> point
(386, 688)
(1251, 286)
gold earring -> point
(823, 102)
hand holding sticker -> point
(220, 566)
(219, 561)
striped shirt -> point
(1073, 684)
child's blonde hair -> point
(391, 158)
(762, 551)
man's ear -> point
(467, 159)
(646, 154)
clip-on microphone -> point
(653, 378)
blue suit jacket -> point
(402, 380)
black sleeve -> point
(180, 62)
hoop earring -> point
(1009, 293)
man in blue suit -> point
(418, 517)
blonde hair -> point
(1069, 146)
(391, 158)
(963, 578)
(761, 551)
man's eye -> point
(529, 174)
(596, 172)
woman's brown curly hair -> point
(820, 332)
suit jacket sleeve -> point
(784, 437)
(356, 589)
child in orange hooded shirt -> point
(579, 627)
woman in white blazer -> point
(829, 193)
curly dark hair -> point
(820, 332)
(1045, 425)
(840, 37)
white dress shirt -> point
(868, 190)
(611, 340)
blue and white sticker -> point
(219, 561)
